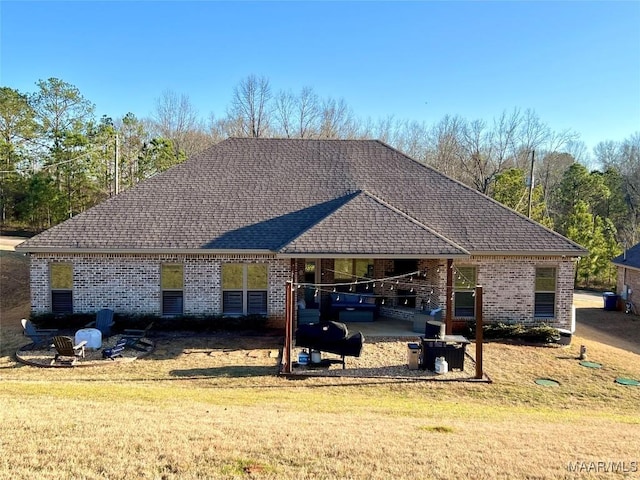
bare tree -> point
(251, 106)
(413, 140)
(504, 140)
(624, 157)
(176, 119)
(297, 116)
(445, 144)
(477, 161)
(336, 120)
(284, 112)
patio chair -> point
(134, 338)
(103, 322)
(116, 350)
(66, 350)
(39, 336)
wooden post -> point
(479, 332)
(449, 301)
(288, 335)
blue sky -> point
(577, 64)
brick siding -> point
(631, 278)
(131, 283)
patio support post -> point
(479, 332)
(288, 326)
(449, 301)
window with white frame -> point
(545, 295)
(172, 284)
(464, 304)
(244, 288)
(61, 281)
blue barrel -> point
(610, 300)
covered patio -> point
(385, 304)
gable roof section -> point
(629, 259)
(365, 225)
(269, 194)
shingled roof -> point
(630, 258)
(297, 197)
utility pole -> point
(116, 168)
(531, 180)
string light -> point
(425, 291)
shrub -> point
(195, 323)
(73, 321)
(518, 331)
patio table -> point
(451, 347)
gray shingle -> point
(631, 258)
(271, 194)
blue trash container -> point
(610, 300)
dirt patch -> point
(14, 298)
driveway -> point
(9, 243)
(614, 328)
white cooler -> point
(93, 336)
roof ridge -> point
(477, 192)
(415, 221)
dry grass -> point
(214, 408)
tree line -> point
(59, 159)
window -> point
(545, 301)
(464, 285)
(244, 289)
(172, 283)
(61, 287)
(350, 270)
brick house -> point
(222, 233)
(628, 281)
